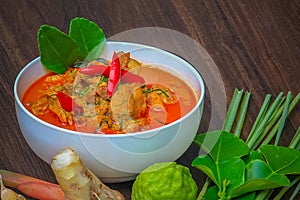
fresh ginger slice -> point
(77, 181)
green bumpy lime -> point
(164, 181)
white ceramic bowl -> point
(115, 158)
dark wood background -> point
(254, 43)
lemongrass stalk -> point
(298, 146)
(264, 194)
(283, 117)
(257, 134)
(232, 110)
(25, 184)
(270, 124)
(204, 189)
(277, 113)
(260, 115)
(227, 126)
(242, 114)
(283, 190)
(296, 139)
(296, 191)
(8, 194)
(275, 128)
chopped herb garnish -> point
(81, 64)
(159, 121)
(143, 86)
(73, 72)
(155, 90)
(102, 79)
(104, 61)
(79, 90)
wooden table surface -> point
(255, 46)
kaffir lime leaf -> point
(166, 180)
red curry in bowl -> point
(110, 97)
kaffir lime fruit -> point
(164, 181)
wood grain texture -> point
(255, 44)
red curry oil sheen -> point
(187, 97)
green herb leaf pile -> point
(59, 51)
(250, 169)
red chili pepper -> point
(95, 69)
(126, 76)
(68, 104)
(110, 131)
(114, 75)
(129, 77)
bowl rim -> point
(140, 133)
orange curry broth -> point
(187, 98)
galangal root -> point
(77, 181)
